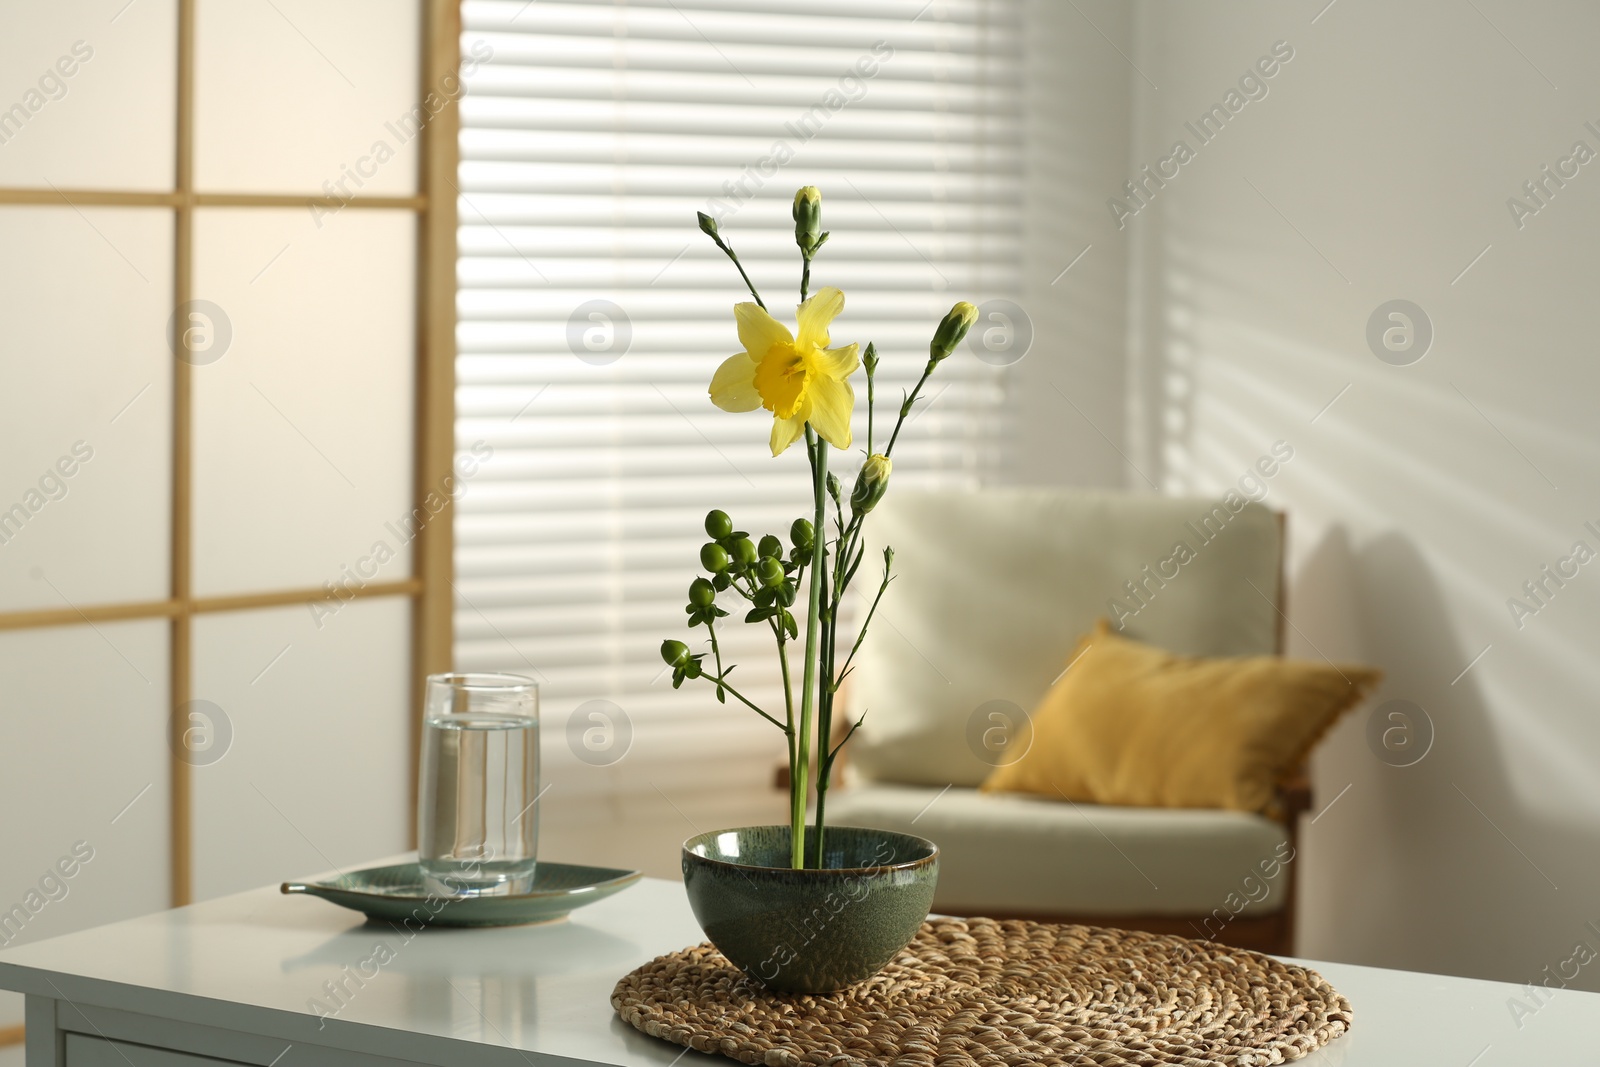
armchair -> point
(993, 588)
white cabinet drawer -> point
(85, 1051)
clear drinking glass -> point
(477, 823)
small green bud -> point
(708, 225)
(675, 653)
(952, 329)
(744, 551)
(871, 483)
(701, 593)
(807, 218)
(833, 486)
(713, 557)
(801, 534)
(770, 546)
(770, 571)
(718, 525)
(869, 359)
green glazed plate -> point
(397, 893)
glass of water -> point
(477, 822)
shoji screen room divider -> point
(227, 263)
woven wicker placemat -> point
(993, 993)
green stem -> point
(862, 633)
(829, 755)
(822, 806)
(788, 694)
(848, 534)
(805, 275)
(716, 650)
(818, 449)
(825, 694)
(848, 734)
(727, 250)
(870, 402)
(905, 408)
(722, 681)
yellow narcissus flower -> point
(797, 378)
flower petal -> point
(733, 387)
(759, 331)
(832, 401)
(838, 362)
(786, 432)
(815, 315)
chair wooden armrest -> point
(1293, 797)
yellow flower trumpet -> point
(796, 376)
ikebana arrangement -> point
(805, 382)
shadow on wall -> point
(1434, 857)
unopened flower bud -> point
(675, 653)
(744, 551)
(871, 483)
(952, 329)
(701, 593)
(770, 572)
(807, 217)
(770, 546)
(708, 225)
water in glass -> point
(478, 826)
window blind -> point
(592, 314)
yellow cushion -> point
(1133, 725)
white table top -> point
(253, 961)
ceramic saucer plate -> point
(396, 893)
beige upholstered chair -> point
(993, 589)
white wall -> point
(1378, 167)
(1065, 395)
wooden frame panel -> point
(180, 673)
(433, 559)
(430, 585)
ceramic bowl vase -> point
(814, 930)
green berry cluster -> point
(764, 572)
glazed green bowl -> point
(810, 931)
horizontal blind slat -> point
(590, 136)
